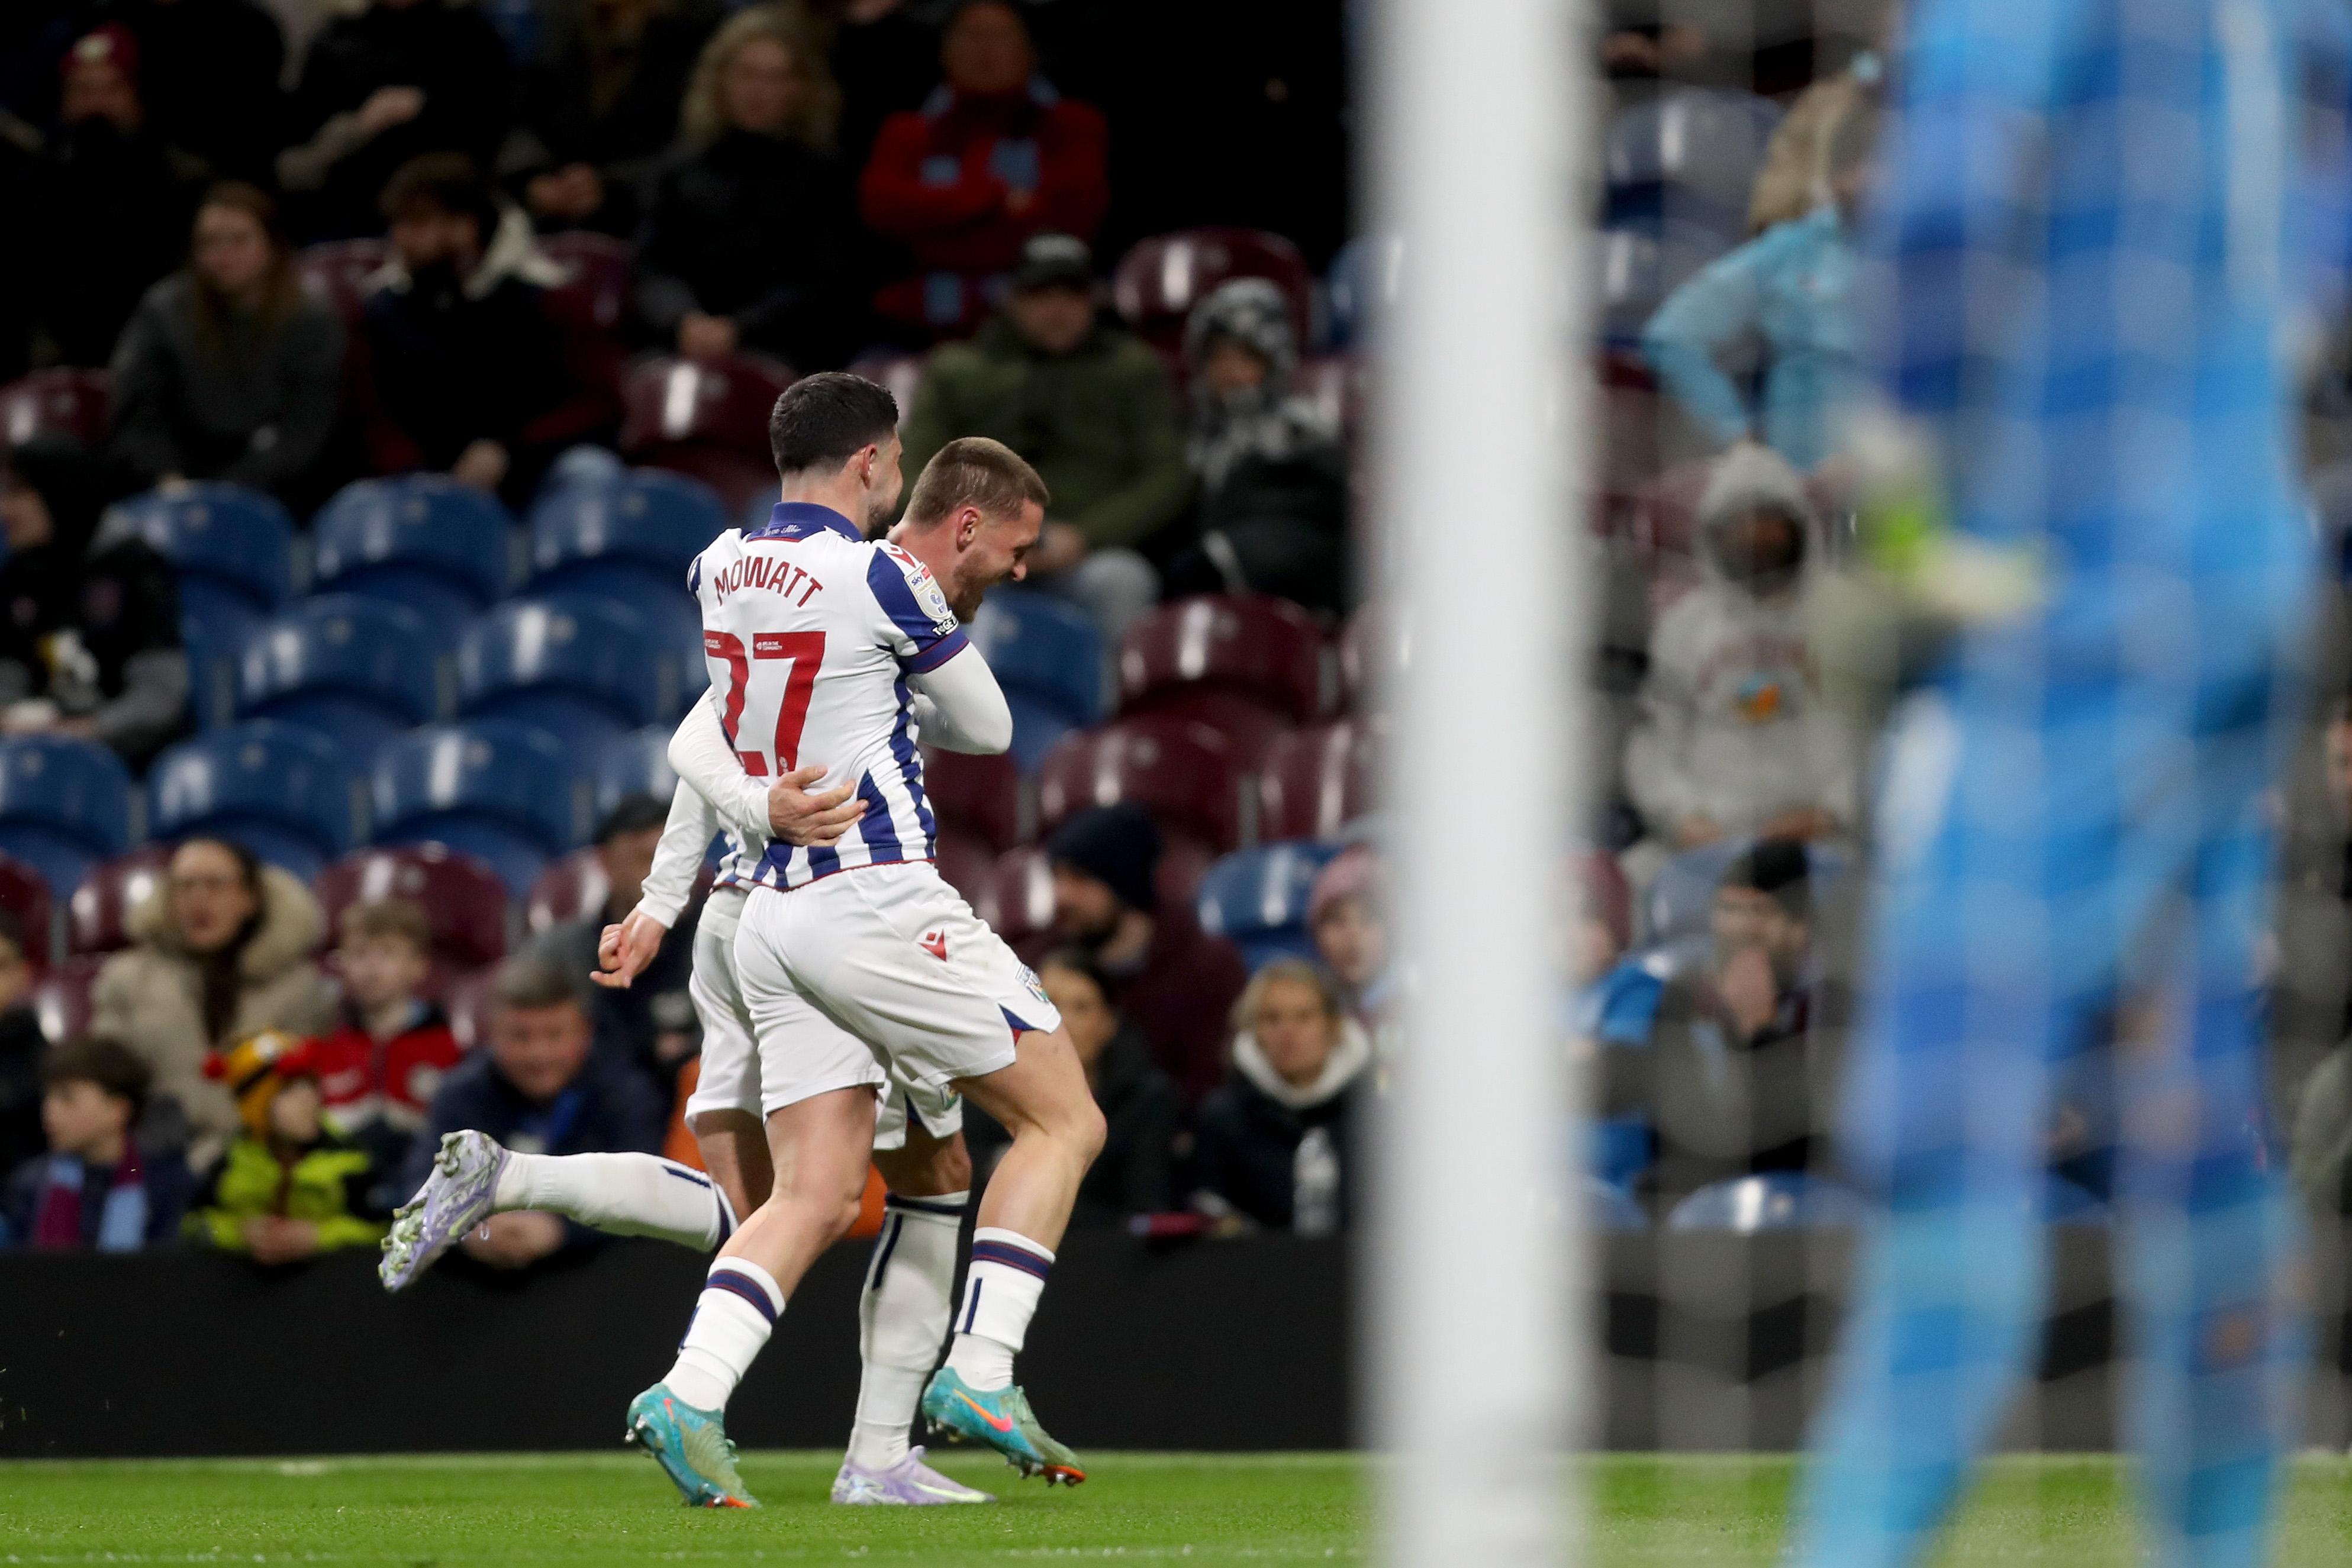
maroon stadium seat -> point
(1160, 281)
(98, 914)
(604, 269)
(568, 889)
(464, 901)
(61, 1001)
(1250, 666)
(1340, 387)
(24, 894)
(707, 420)
(979, 795)
(59, 402)
(1318, 781)
(902, 373)
(338, 272)
(1183, 772)
(964, 861)
(467, 1003)
(1016, 898)
(1366, 659)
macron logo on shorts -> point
(935, 943)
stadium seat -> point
(465, 902)
(24, 894)
(64, 805)
(1159, 281)
(980, 795)
(1048, 657)
(215, 630)
(1367, 659)
(226, 541)
(708, 419)
(1340, 387)
(964, 861)
(338, 272)
(632, 539)
(1363, 287)
(569, 888)
(356, 670)
(1688, 153)
(57, 401)
(288, 794)
(1638, 262)
(1249, 665)
(1257, 899)
(1316, 782)
(1607, 1206)
(902, 373)
(602, 269)
(510, 793)
(1782, 1200)
(1680, 900)
(98, 913)
(422, 539)
(61, 1001)
(1185, 773)
(636, 763)
(1016, 898)
(582, 669)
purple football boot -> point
(453, 1199)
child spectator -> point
(1138, 1101)
(1734, 737)
(22, 1045)
(95, 1187)
(995, 157)
(229, 370)
(1610, 1011)
(1347, 915)
(1272, 469)
(288, 1188)
(748, 240)
(474, 358)
(1278, 1139)
(385, 1062)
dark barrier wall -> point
(1710, 1341)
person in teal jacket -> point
(1794, 286)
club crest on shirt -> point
(929, 598)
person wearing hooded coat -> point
(220, 950)
(1734, 738)
(1276, 1142)
(89, 616)
(1273, 472)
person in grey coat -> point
(229, 370)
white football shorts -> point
(882, 975)
(731, 1077)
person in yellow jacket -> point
(288, 1187)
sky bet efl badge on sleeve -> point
(929, 597)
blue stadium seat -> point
(356, 670)
(64, 805)
(632, 538)
(1257, 899)
(423, 540)
(1680, 900)
(215, 629)
(636, 763)
(1363, 285)
(226, 540)
(1607, 1206)
(286, 793)
(1778, 1201)
(1048, 658)
(510, 793)
(575, 667)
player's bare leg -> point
(734, 1149)
(1043, 1099)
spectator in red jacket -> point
(1165, 975)
(473, 357)
(379, 1070)
(996, 155)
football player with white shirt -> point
(861, 970)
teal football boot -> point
(1002, 1419)
(691, 1447)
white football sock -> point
(621, 1194)
(738, 1310)
(901, 1319)
(1000, 1293)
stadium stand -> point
(1779, 1200)
(1256, 899)
(603, 270)
(493, 788)
(1251, 667)
(1047, 656)
(705, 419)
(60, 400)
(1159, 281)
(636, 763)
(358, 671)
(1318, 781)
(629, 540)
(287, 793)
(24, 894)
(465, 902)
(578, 668)
(1180, 770)
(109, 891)
(1361, 286)
(423, 540)
(64, 805)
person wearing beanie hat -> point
(1347, 913)
(290, 1186)
(1746, 1049)
(1734, 737)
(1172, 980)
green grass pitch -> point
(441, 1512)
